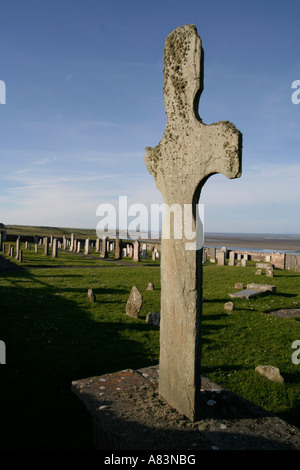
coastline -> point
(290, 243)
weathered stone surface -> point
(231, 258)
(246, 294)
(229, 306)
(134, 303)
(150, 286)
(263, 265)
(262, 287)
(286, 313)
(104, 253)
(271, 372)
(136, 251)
(153, 318)
(187, 155)
(118, 249)
(91, 295)
(221, 258)
(270, 272)
(239, 285)
(128, 414)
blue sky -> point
(84, 98)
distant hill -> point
(48, 231)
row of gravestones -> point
(133, 250)
(220, 257)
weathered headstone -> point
(231, 258)
(270, 271)
(97, 248)
(212, 255)
(54, 247)
(72, 242)
(239, 285)
(187, 155)
(91, 295)
(134, 303)
(136, 251)
(221, 258)
(103, 253)
(229, 306)
(17, 247)
(46, 246)
(118, 249)
(87, 246)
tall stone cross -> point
(189, 152)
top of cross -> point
(190, 151)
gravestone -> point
(46, 246)
(118, 249)
(231, 258)
(17, 247)
(54, 247)
(72, 242)
(87, 246)
(103, 253)
(212, 255)
(136, 251)
(134, 303)
(221, 258)
(187, 155)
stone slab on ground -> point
(246, 294)
(262, 287)
(286, 313)
(129, 414)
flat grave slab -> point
(286, 313)
(129, 414)
(246, 294)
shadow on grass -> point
(51, 341)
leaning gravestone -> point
(189, 152)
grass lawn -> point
(54, 335)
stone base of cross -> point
(188, 154)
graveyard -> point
(55, 335)
(120, 343)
